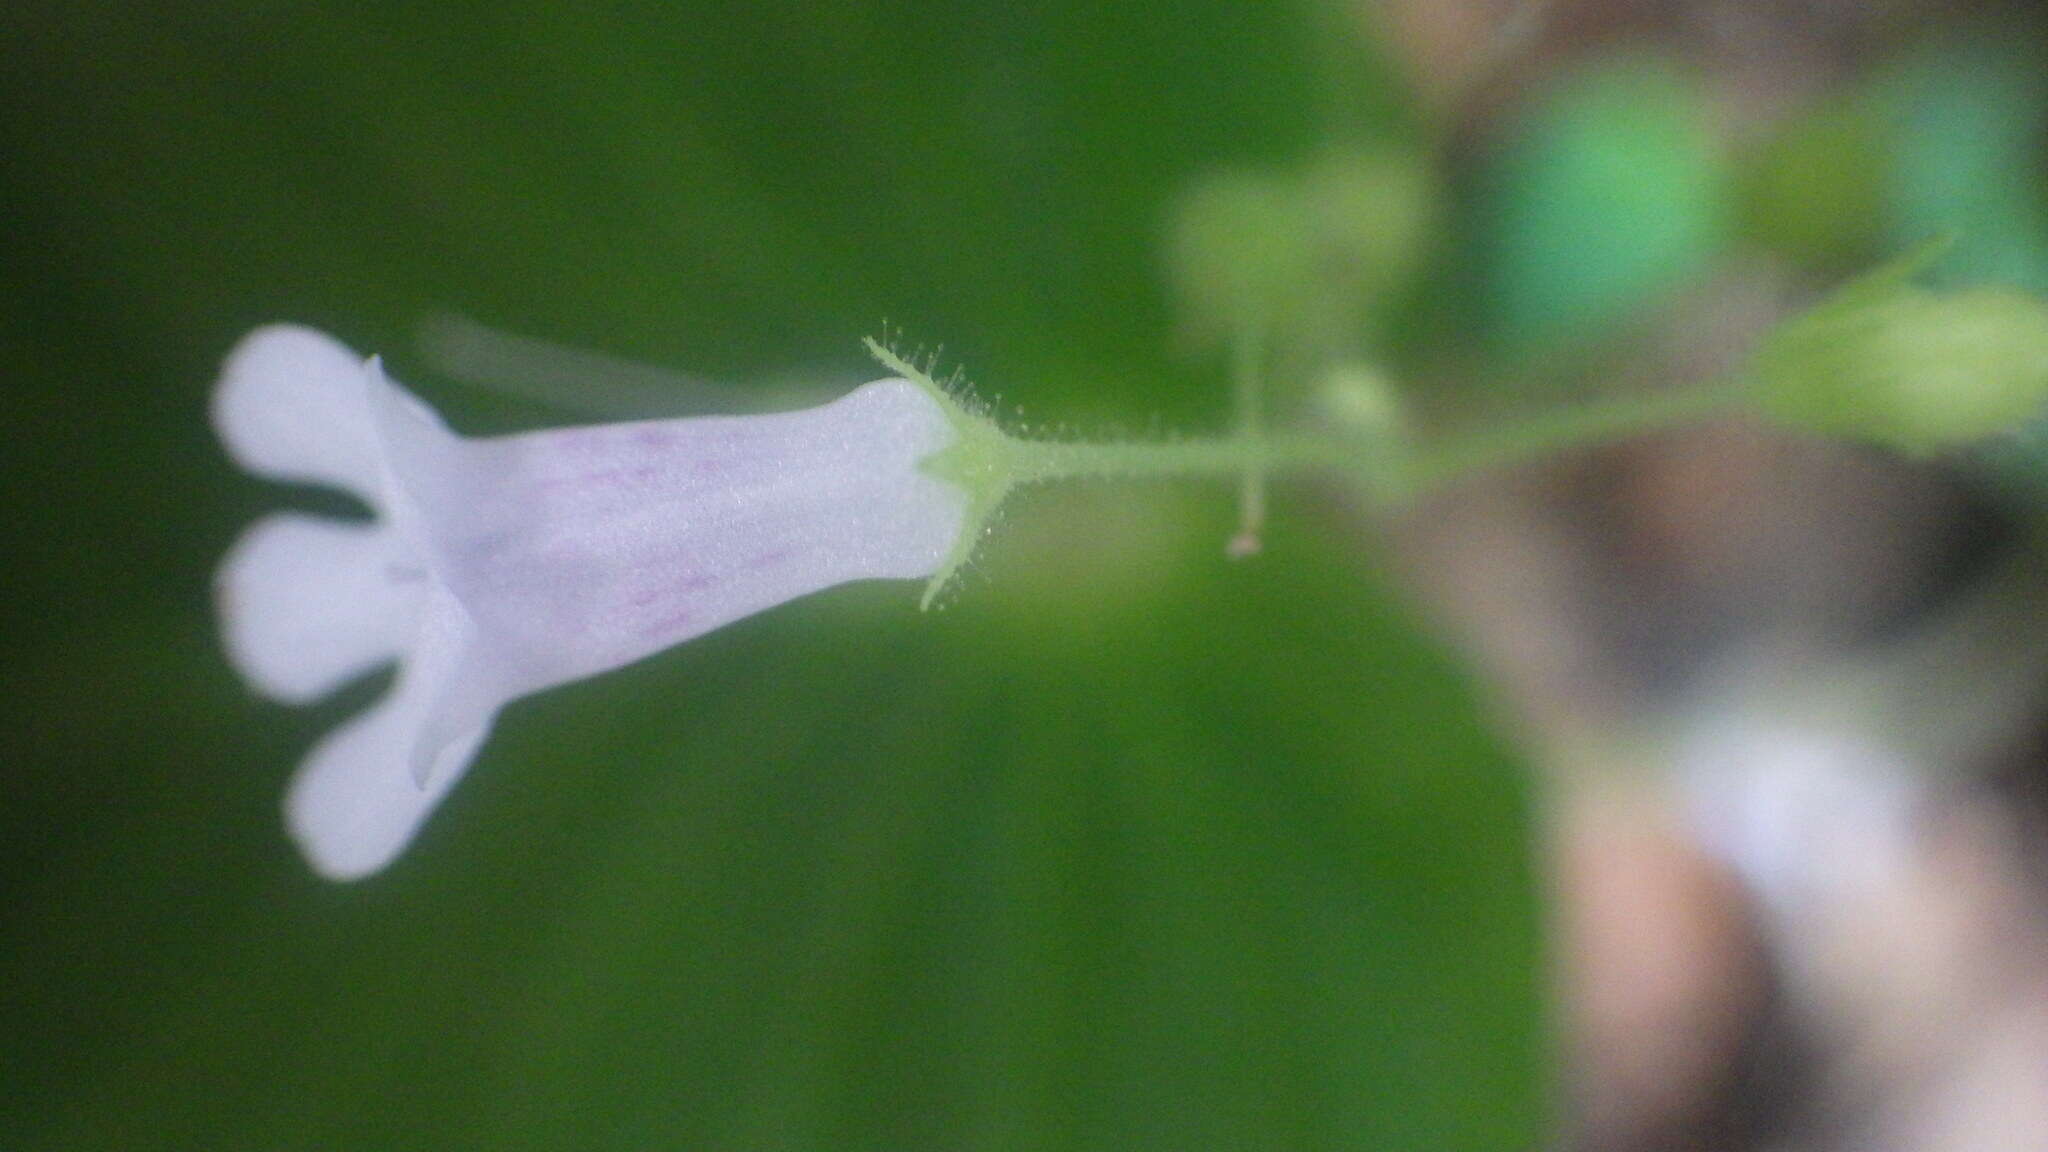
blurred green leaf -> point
(1237, 870)
(1153, 852)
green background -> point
(1127, 847)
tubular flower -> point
(495, 568)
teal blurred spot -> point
(1969, 123)
(1609, 192)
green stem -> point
(1602, 422)
(1037, 461)
(1248, 385)
(987, 463)
(1595, 423)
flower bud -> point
(1917, 370)
(1361, 402)
(1240, 249)
(1307, 255)
(1375, 217)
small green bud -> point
(1240, 248)
(1361, 402)
(1918, 370)
(1361, 405)
(1374, 216)
(1301, 256)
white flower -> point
(499, 567)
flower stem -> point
(1248, 386)
(1251, 451)
(987, 463)
(1037, 461)
(1590, 424)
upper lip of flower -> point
(496, 568)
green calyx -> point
(988, 463)
(981, 461)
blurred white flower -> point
(499, 567)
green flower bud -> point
(1920, 371)
(1240, 248)
(1305, 256)
(1361, 405)
(1361, 402)
(1374, 216)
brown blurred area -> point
(1787, 694)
